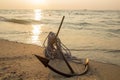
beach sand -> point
(18, 63)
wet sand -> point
(18, 63)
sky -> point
(61, 4)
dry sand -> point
(18, 63)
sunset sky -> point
(61, 4)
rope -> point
(64, 50)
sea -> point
(93, 34)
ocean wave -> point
(19, 21)
(85, 24)
(104, 50)
(78, 23)
(116, 31)
(111, 22)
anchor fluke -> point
(43, 60)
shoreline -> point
(18, 63)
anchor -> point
(57, 50)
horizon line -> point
(59, 9)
